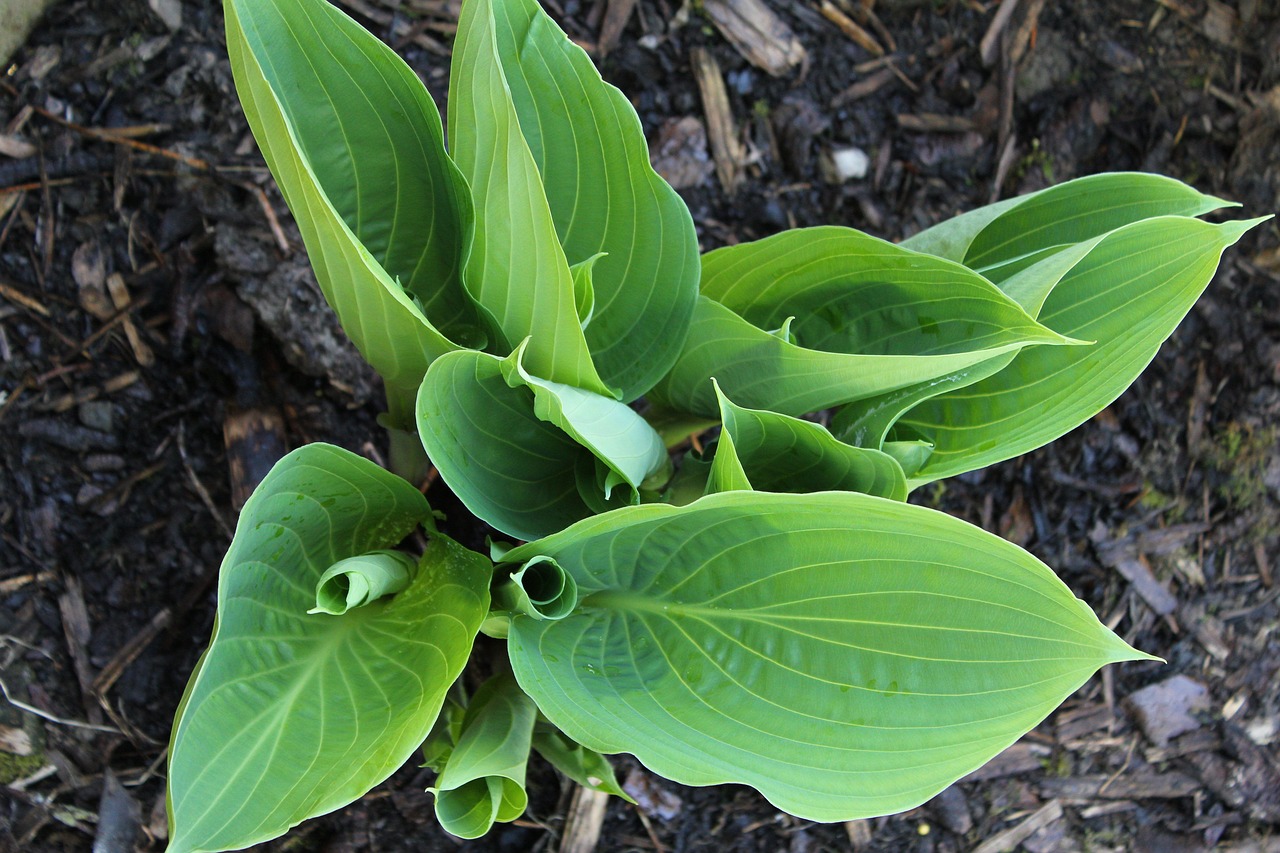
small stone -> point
(98, 414)
(1167, 709)
(849, 164)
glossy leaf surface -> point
(1128, 294)
(517, 272)
(1002, 238)
(847, 656)
(604, 196)
(529, 458)
(855, 317)
(778, 453)
(483, 779)
(291, 715)
(355, 143)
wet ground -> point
(156, 309)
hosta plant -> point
(768, 610)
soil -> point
(156, 309)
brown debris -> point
(679, 153)
(1127, 786)
(585, 820)
(616, 15)
(726, 149)
(855, 33)
(757, 33)
(864, 88)
(1168, 708)
(1012, 837)
(935, 123)
(255, 441)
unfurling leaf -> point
(846, 655)
(281, 690)
(483, 778)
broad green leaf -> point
(764, 371)
(584, 766)
(855, 317)
(1129, 293)
(517, 272)
(778, 453)
(611, 430)
(867, 422)
(354, 142)
(526, 458)
(483, 779)
(1002, 238)
(846, 655)
(291, 715)
(604, 196)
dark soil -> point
(116, 491)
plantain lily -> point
(767, 611)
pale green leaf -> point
(292, 715)
(517, 272)
(356, 581)
(483, 779)
(584, 766)
(1127, 294)
(529, 458)
(604, 196)
(856, 317)
(846, 655)
(1002, 238)
(354, 142)
(778, 453)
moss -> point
(1239, 455)
(14, 767)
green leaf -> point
(846, 655)
(483, 780)
(857, 317)
(526, 457)
(778, 453)
(540, 589)
(604, 196)
(354, 142)
(764, 371)
(1128, 293)
(584, 766)
(867, 422)
(517, 272)
(1002, 238)
(291, 715)
(356, 581)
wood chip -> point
(859, 832)
(726, 149)
(865, 87)
(1164, 786)
(757, 33)
(585, 819)
(1012, 837)
(989, 47)
(616, 15)
(1019, 758)
(850, 28)
(120, 298)
(15, 147)
(935, 123)
(255, 441)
